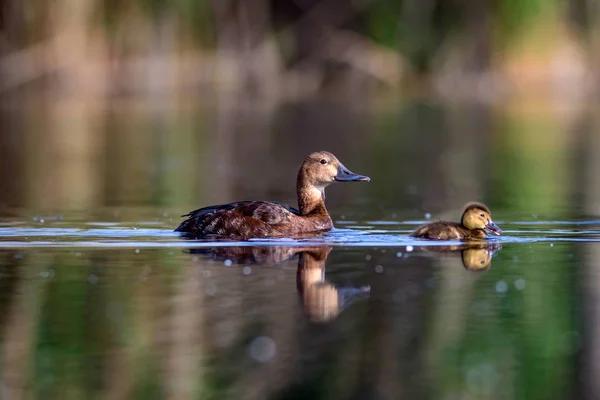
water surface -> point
(100, 298)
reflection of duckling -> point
(477, 259)
(252, 219)
(476, 256)
(322, 300)
(475, 222)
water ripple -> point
(97, 234)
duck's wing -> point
(229, 218)
(230, 206)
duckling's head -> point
(320, 169)
(477, 259)
(478, 216)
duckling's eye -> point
(323, 161)
(482, 262)
(481, 215)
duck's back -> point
(445, 230)
(244, 219)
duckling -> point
(476, 221)
(251, 219)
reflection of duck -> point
(251, 219)
(476, 256)
(322, 301)
(250, 254)
(475, 222)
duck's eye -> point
(323, 161)
(482, 216)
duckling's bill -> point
(493, 228)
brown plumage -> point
(253, 219)
(476, 221)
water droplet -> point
(78, 254)
(520, 284)
(501, 287)
(247, 270)
(35, 218)
(394, 215)
(343, 217)
(262, 349)
(409, 249)
(42, 221)
(137, 251)
(399, 254)
(44, 274)
(228, 263)
(551, 244)
(93, 279)
(379, 269)
(368, 257)
(165, 214)
(427, 216)
(206, 273)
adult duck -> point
(254, 219)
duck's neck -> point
(311, 199)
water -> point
(100, 298)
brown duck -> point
(253, 219)
(476, 221)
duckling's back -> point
(444, 230)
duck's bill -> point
(493, 228)
(345, 175)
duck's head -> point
(478, 216)
(320, 169)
